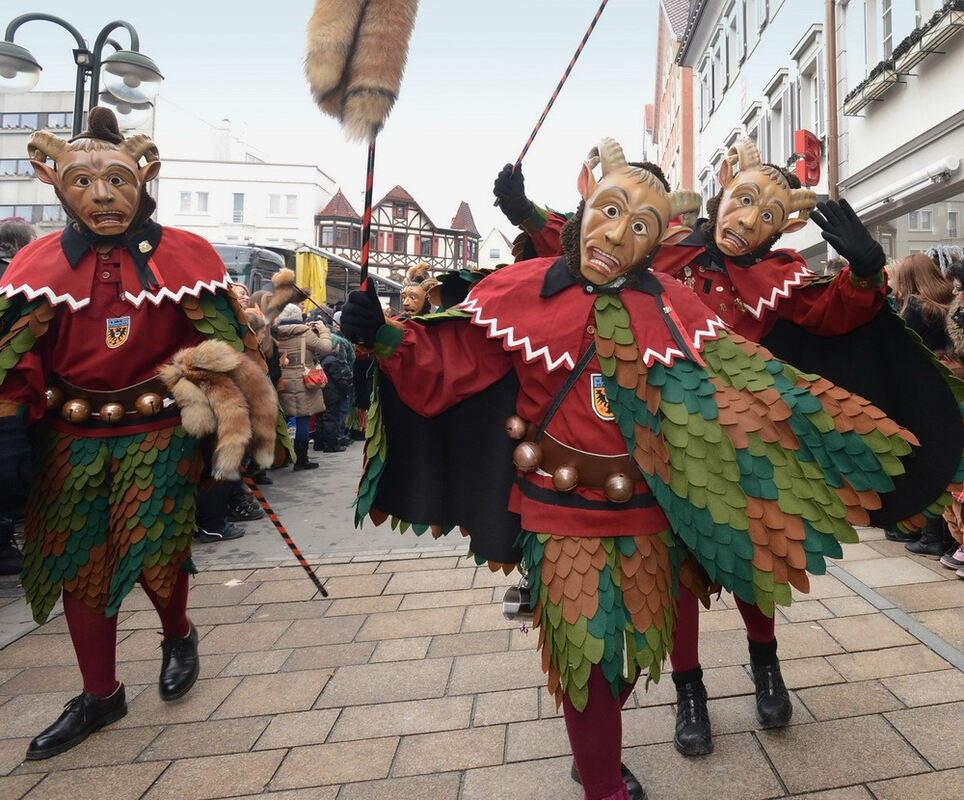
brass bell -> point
(149, 405)
(619, 488)
(515, 427)
(55, 397)
(111, 412)
(565, 478)
(527, 456)
(75, 411)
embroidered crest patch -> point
(600, 402)
(118, 329)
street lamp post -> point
(131, 79)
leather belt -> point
(77, 404)
(593, 469)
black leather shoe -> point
(82, 716)
(693, 737)
(633, 786)
(180, 665)
(773, 706)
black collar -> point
(713, 256)
(558, 277)
(140, 245)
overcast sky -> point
(478, 76)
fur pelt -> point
(285, 292)
(355, 59)
(955, 332)
(223, 392)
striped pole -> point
(367, 219)
(249, 481)
(565, 75)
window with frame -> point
(53, 213)
(20, 167)
(777, 127)
(237, 207)
(327, 235)
(291, 205)
(274, 204)
(495, 252)
(399, 243)
(425, 245)
(60, 119)
(706, 93)
(185, 204)
(762, 13)
(920, 220)
(202, 202)
(887, 27)
(953, 231)
(399, 210)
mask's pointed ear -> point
(725, 173)
(586, 182)
(44, 172)
(674, 234)
(792, 225)
(149, 171)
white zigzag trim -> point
(471, 305)
(778, 291)
(164, 292)
(46, 291)
(671, 353)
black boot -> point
(301, 452)
(11, 559)
(931, 541)
(82, 716)
(180, 665)
(773, 706)
(633, 786)
(693, 734)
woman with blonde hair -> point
(923, 297)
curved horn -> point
(610, 155)
(43, 145)
(683, 201)
(140, 145)
(802, 200)
(592, 159)
(744, 154)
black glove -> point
(362, 316)
(844, 231)
(510, 195)
(16, 457)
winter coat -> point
(296, 399)
(339, 377)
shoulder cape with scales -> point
(761, 470)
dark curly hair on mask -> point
(784, 177)
(569, 234)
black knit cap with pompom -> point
(101, 124)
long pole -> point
(832, 151)
(367, 219)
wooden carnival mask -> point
(627, 214)
(756, 202)
(96, 175)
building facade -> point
(672, 126)
(760, 73)
(402, 235)
(902, 139)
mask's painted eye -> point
(610, 211)
(83, 180)
(746, 201)
(116, 180)
(639, 228)
(767, 217)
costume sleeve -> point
(544, 227)
(435, 366)
(23, 357)
(838, 307)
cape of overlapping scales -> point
(70, 508)
(761, 470)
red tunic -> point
(109, 332)
(532, 318)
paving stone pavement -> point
(407, 683)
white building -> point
(900, 68)
(211, 182)
(758, 71)
(494, 249)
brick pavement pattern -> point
(407, 683)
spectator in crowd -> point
(330, 423)
(298, 344)
(923, 296)
(953, 359)
(241, 292)
(14, 234)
